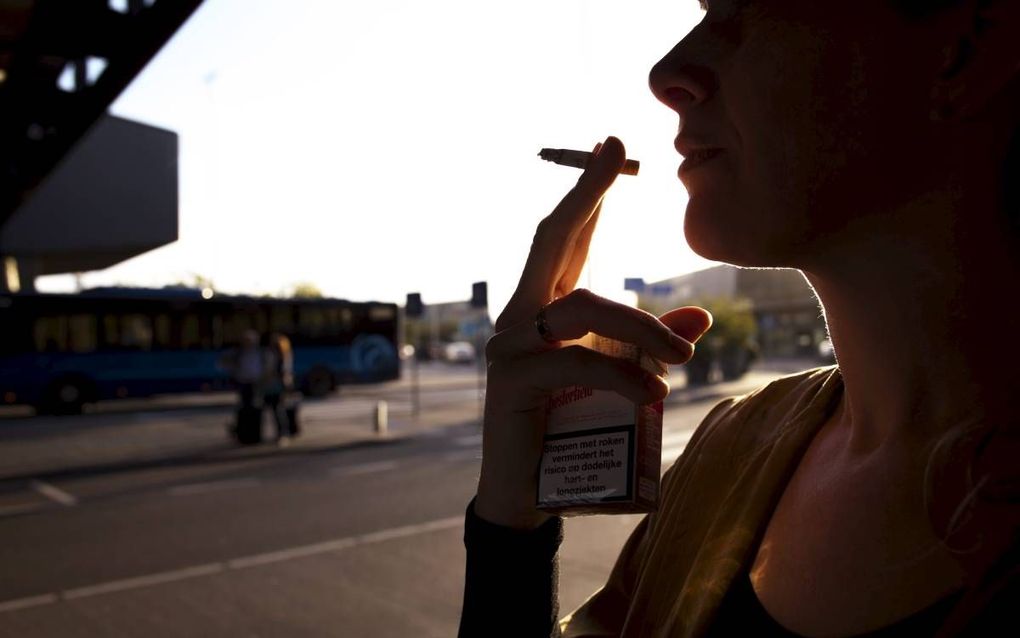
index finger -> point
(552, 249)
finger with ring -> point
(580, 312)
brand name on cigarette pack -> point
(569, 396)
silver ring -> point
(542, 325)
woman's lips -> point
(698, 157)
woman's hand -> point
(524, 368)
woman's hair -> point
(972, 476)
(1010, 176)
(281, 343)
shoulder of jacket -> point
(744, 420)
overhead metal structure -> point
(62, 63)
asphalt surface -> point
(148, 521)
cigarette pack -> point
(602, 452)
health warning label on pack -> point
(585, 467)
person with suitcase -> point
(279, 380)
(247, 367)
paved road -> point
(149, 523)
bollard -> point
(381, 417)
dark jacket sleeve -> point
(510, 585)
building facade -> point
(789, 319)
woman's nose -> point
(680, 85)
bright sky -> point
(386, 147)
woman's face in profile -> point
(820, 114)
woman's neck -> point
(923, 322)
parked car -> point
(459, 352)
(825, 350)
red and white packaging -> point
(602, 452)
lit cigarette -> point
(579, 159)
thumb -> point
(689, 322)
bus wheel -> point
(67, 396)
(319, 382)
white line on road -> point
(410, 530)
(291, 553)
(364, 468)
(142, 581)
(13, 510)
(54, 493)
(213, 486)
(31, 601)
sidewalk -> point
(49, 447)
(761, 373)
(101, 442)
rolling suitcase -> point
(249, 425)
(292, 419)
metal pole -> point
(481, 382)
(434, 325)
(415, 392)
(382, 418)
(480, 356)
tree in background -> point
(194, 280)
(304, 290)
(731, 343)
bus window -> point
(50, 334)
(161, 332)
(281, 319)
(259, 319)
(191, 336)
(83, 333)
(136, 332)
(217, 331)
(381, 313)
(234, 327)
(312, 321)
(360, 320)
(111, 331)
(334, 323)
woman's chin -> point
(735, 244)
(723, 227)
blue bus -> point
(61, 351)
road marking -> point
(25, 603)
(292, 553)
(244, 562)
(468, 441)
(54, 493)
(13, 510)
(142, 581)
(410, 530)
(364, 468)
(213, 486)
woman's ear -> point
(981, 58)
